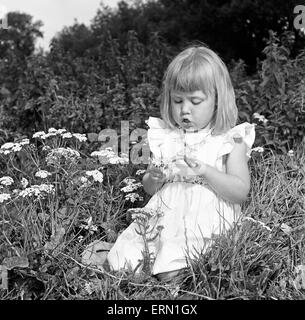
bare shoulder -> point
(237, 162)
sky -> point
(55, 14)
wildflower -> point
(67, 135)
(24, 142)
(83, 180)
(290, 153)
(46, 148)
(129, 180)
(52, 130)
(131, 185)
(42, 174)
(37, 190)
(39, 134)
(80, 137)
(6, 181)
(61, 131)
(24, 183)
(8, 147)
(53, 158)
(144, 213)
(89, 225)
(139, 172)
(49, 134)
(4, 197)
(133, 197)
(109, 156)
(260, 117)
(97, 175)
(258, 149)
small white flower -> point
(67, 135)
(7, 145)
(89, 226)
(6, 181)
(129, 180)
(46, 148)
(97, 175)
(83, 180)
(290, 153)
(132, 197)
(139, 172)
(4, 197)
(42, 174)
(17, 147)
(24, 142)
(24, 183)
(258, 149)
(110, 156)
(131, 185)
(61, 131)
(52, 130)
(260, 117)
(49, 134)
(37, 190)
(80, 137)
(39, 134)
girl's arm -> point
(234, 184)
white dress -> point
(192, 213)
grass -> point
(41, 239)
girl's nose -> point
(186, 107)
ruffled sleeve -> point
(242, 132)
(156, 134)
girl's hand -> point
(196, 166)
(156, 174)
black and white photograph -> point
(152, 150)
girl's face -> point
(192, 110)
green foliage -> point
(277, 92)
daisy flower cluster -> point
(61, 132)
(4, 197)
(55, 156)
(131, 185)
(6, 181)
(258, 149)
(260, 117)
(109, 156)
(11, 147)
(89, 226)
(37, 190)
(144, 213)
(96, 175)
(42, 174)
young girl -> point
(202, 176)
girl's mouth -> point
(186, 121)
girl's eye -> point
(195, 102)
(177, 101)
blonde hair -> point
(200, 68)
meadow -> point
(57, 196)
